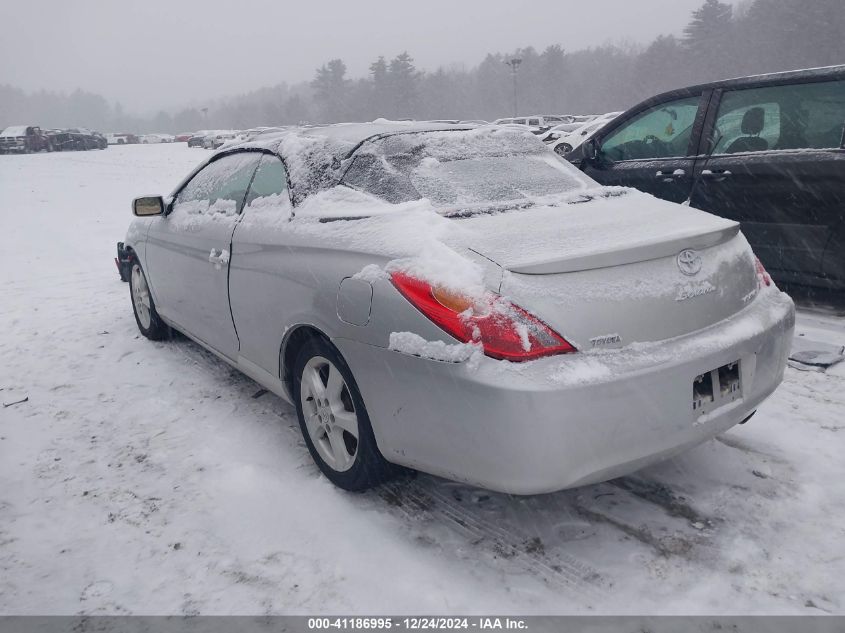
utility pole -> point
(514, 63)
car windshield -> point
(14, 130)
(461, 169)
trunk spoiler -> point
(645, 250)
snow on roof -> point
(15, 130)
(313, 154)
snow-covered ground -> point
(145, 477)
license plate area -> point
(716, 388)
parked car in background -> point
(122, 138)
(554, 133)
(182, 138)
(415, 290)
(75, 139)
(24, 139)
(565, 143)
(158, 137)
(216, 139)
(60, 140)
(102, 142)
(84, 139)
(767, 151)
(197, 139)
(540, 122)
(155, 138)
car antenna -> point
(697, 179)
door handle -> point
(718, 175)
(219, 257)
(669, 176)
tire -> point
(330, 412)
(146, 316)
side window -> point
(220, 187)
(795, 116)
(270, 184)
(534, 122)
(663, 131)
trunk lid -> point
(619, 268)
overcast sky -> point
(151, 54)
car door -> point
(653, 150)
(188, 251)
(260, 279)
(778, 167)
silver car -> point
(463, 302)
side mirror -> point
(590, 150)
(147, 206)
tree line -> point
(758, 36)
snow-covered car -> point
(155, 138)
(197, 139)
(461, 301)
(541, 122)
(565, 143)
(214, 140)
(121, 138)
(24, 139)
(554, 133)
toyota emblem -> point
(689, 262)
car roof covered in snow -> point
(313, 155)
(15, 130)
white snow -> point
(410, 343)
(14, 130)
(144, 477)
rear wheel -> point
(334, 420)
(146, 316)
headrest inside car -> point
(752, 121)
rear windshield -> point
(461, 169)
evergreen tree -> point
(380, 90)
(330, 88)
(402, 82)
(708, 25)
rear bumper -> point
(570, 420)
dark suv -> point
(768, 151)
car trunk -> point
(608, 272)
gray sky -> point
(151, 54)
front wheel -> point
(146, 316)
(334, 420)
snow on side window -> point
(220, 187)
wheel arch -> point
(294, 339)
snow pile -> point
(410, 343)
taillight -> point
(505, 331)
(763, 277)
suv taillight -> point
(763, 277)
(505, 331)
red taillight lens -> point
(505, 331)
(763, 277)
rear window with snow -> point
(461, 169)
